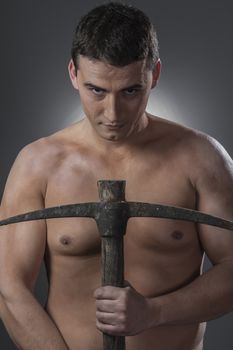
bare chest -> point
(146, 182)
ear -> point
(73, 74)
(156, 73)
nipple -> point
(65, 240)
(178, 235)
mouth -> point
(113, 126)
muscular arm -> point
(21, 252)
(210, 295)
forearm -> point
(207, 297)
(28, 324)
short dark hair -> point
(116, 33)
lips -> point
(114, 126)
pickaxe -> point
(111, 215)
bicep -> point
(22, 244)
(214, 184)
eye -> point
(96, 91)
(130, 92)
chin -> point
(112, 138)
(119, 135)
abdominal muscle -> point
(80, 333)
(71, 306)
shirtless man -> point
(167, 299)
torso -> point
(160, 255)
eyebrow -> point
(90, 85)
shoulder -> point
(37, 155)
(200, 148)
(35, 162)
(44, 155)
(200, 155)
(208, 161)
(208, 154)
(174, 135)
(45, 152)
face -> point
(113, 98)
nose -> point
(112, 109)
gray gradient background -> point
(195, 88)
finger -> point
(106, 317)
(107, 292)
(106, 305)
(109, 329)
